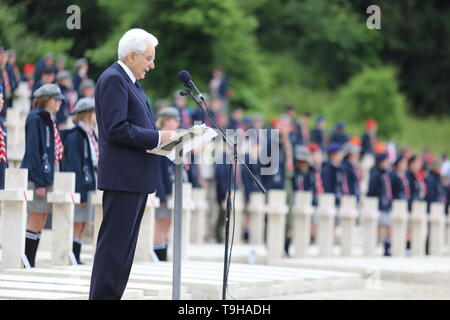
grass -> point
(432, 132)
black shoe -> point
(287, 244)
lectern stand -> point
(175, 149)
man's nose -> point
(152, 65)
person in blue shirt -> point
(43, 155)
(168, 119)
(81, 155)
(380, 186)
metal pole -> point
(178, 194)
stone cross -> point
(369, 218)
(64, 199)
(326, 212)
(15, 125)
(276, 212)
(145, 241)
(437, 226)
(419, 228)
(348, 212)
(198, 227)
(256, 209)
(399, 215)
(14, 215)
(302, 211)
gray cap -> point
(169, 112)
(302, 153)
(88, 83)
(51, 90)
(63, 74)
(351, 148)
(80, 62)
(84, 105)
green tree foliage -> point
(415, 35)
(373, 94)
(200, 34)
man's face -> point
(140, 64)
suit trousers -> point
(116, 243)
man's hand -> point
(40, 192)
(1, 101)
(167, 135)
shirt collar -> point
(84, 126)
(127, 70)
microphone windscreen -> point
(184, 76)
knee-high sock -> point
(31, 244)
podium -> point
(175, 150)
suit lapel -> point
(133, 87)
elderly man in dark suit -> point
(126, 173)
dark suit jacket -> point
(126, 128)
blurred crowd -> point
(311, 157)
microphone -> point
(185, 77)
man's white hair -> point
(135, 40)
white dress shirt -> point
(133, 79)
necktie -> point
(59, 148)
(2, 146)
(406, 186)
(142, 93)
(318, 182)
(93, 141)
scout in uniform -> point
(81, 154)
(332, 173)
(380, 187)
(3, 143)
(43, 154)
(369, 138)
(168, 119)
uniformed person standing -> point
(81, 156)
(168, 119)
(3, 143)
(43, 154)
(332, 173)
(380, 186)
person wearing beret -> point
(81, 157)
(332, 173)
(87, 89)
(400, 185)
(435, 190)
(369, 138)
(352, 171)
(80, 74)
(47, 76)
(168, 119)
(380, 186)
(43, 155)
